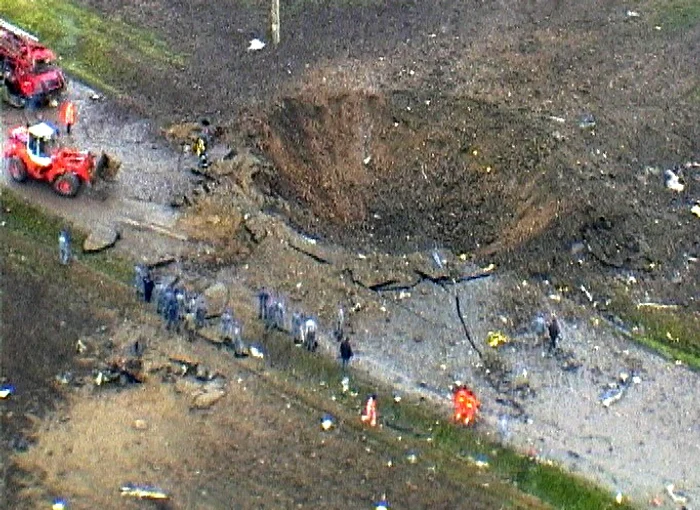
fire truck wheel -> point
(17, 169)
(67, 185)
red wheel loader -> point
(34, 152)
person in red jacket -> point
(466, 405)
(67, 115)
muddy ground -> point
(255, 444)
(385, 132)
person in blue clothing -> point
(64, 247)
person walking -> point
(263, 301)
(554, 333)
(148, 286)
(345, 352)
(64, 247)
(340, 324)
(200, 311)
(173, 314)
(369, 413)
(226, 326)
(68, 115)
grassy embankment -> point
(680, 16)
(102, 51)
(32, 233)
(672, 332)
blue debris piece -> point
(6, 390)
(59, 504)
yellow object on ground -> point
(496, 339)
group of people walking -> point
(303, 328)
(181, 310)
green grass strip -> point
(42, 228)
(673, 333)
(678, 14)
(100, 50)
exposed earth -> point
(375, 135)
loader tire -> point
(67, 185)
(17, 169)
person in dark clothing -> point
(554, 333)
(148, 285)
(263, 301)
(345, 352)
(173, 315)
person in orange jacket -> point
(369, 414)
(466, 405)
(67, 115)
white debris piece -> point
(678, 497)
(256, 353)
(696, 210)
(672, 181)
(587, 293)
(632, 14)
(255, 45)
(327, 422)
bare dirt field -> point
(383, 132)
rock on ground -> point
(101, 238)
(217, 298)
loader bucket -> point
(107, 167)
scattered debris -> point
(345, 384)
(327, 422)
(619, 498)
(143, 492)
(632, 14)
(207, 397)
(140, 425)
(122, 371)
(480, 461)
(6, 390)
(64, 378)
(255, 45)
(696, 209)
(80, 347)
(412, 457)
(587, 293)
(436, 258)
(59, 504)
(672, 181)
(677, 497)
(587, 121)
(657, 306)
(382, 505)
(495, 339)
(610, 396)
(256, 352)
